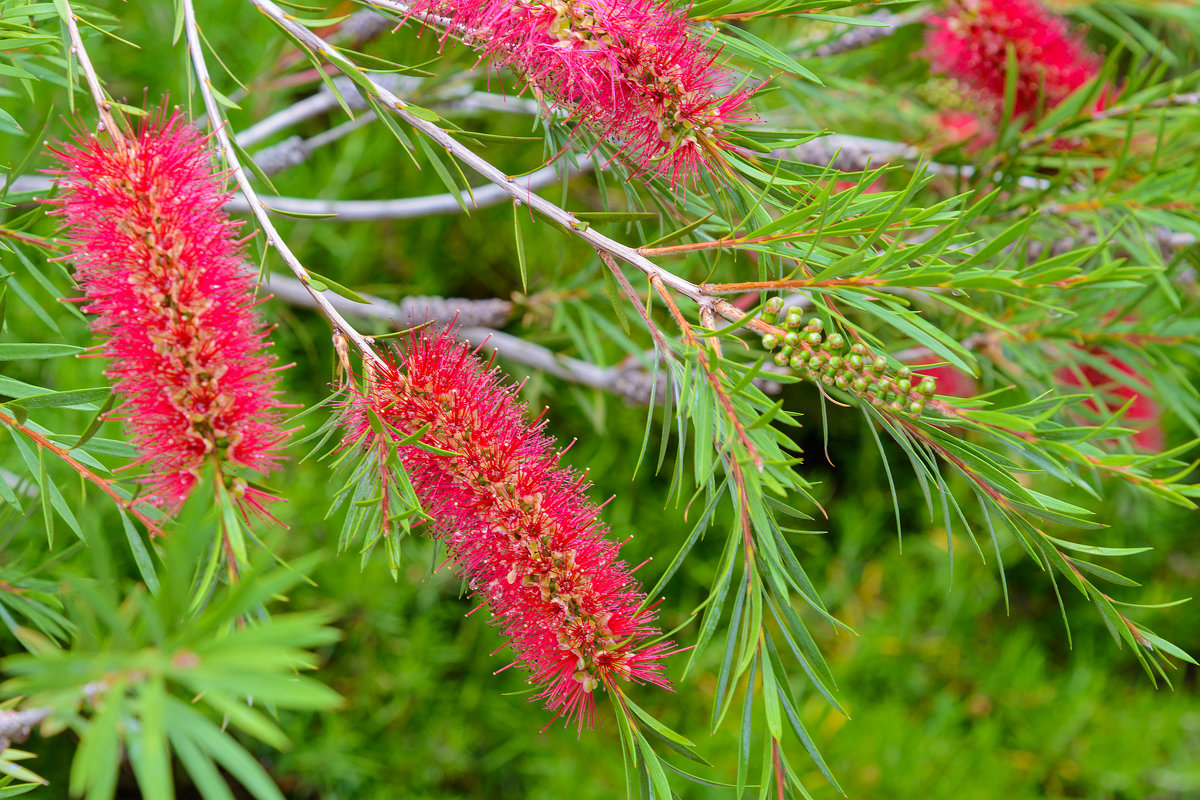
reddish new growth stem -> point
(636, 72)
(162, 271)
(519, 526)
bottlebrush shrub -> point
(970, 43)
(163, 272)
(635, 72)
(519, 526)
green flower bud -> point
(927, 387)
(814, 324)
(854, 361)
(814, 338)
(842, 382)
(794, 319)
(897, 406)
(836, 362)
(857, 348)
(827, 379)
(835, 341)
(774, 305)
(798, 359)
(770, 341)
(879, 364)
(916, 409)
(783, 356)
(903, 386)
(885, 384)
(860, 385)
(791, 339)
(904, 372)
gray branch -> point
(15, 726)
(404, 207)
(848, 153)
(865, 35)
(476, 322)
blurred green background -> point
(951, 696)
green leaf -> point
(322, 283)
(520, 239)
(98, 757)
(141, 555)
(96, 422)
(32, 350)
(70, 397)
(148, 746)
(215, 743)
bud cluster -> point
(819, 356)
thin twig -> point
(864, 35)
(103, 105)
(848, 153)
(15, 726)
(104, 484)
(192, 32)
(467, 156)
(403, 207)
(320, 102)
(477, 321)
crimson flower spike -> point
(970, 43)
(164, 275)
(518, 525)
(635, 72)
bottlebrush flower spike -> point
(1143, 413)
(163, 272)
(519, 526)
(633, 71)
(970, 43)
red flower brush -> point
(519, 526)
(970, 43)
(635, 72)
(1143, 413)
(163, 272)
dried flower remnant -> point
(519, 526)
(970, 42)
(163, 272)
(635, 72)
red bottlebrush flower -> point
(163, 272)
(971, 42)
(1111, 394)
(952, 128)
(950, 381)
(519, 526)
(635, 72)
